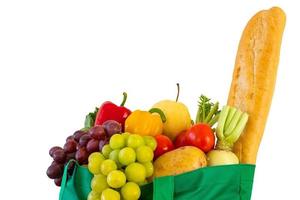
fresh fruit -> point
(201, 136)
(53, 149)
(178, 161)
(79, 146)
(127, 156)
(149, 169)
(164, 144)
(93, 196)
(177, 115)
(97, 132)
(131, 191)
(92, 146)
(55, 170)
(144, 154)
(59, 156)
(70, 146)
(94, 163)
(78, 134)
(135, 140)
(108, 166)
(150, 142)
(135, 172)
(106, 150)
(110, 111)
(114, 155)
(112, 127)
(116, 179)
(99, 183)
(84, 140)
(145, 122)
(102, 143)
(82, 156)
(57, 181)
(96, 156)
(181, 140)
(110, 194)
(117, 141)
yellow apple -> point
(177, 115)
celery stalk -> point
(235, 134)
(233, 122)
(236, 121)
(232, 111)
(221, 122)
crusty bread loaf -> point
(254, 77)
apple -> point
(177, 115)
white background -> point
(60, 59)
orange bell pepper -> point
(145, 122)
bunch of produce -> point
(125, 150)
(122, 167)
(99, 126)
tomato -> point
(181, 140)
(199, 135)
(164, 144)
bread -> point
(254, 77)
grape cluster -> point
(79, 146)
(122, 166)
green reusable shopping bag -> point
(228, 182)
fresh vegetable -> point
(145, 122)
(178, 161)
(201, 134)
(177, 114)
(221, 157)
(208, 112)
(110, 111)
(90, 119)
(164, 144)
(230, 126)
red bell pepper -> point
(110, 111)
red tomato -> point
(199, 135)
(164, 144)
(181, 140)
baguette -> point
(254, 77)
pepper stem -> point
(160, 112)
(124, 99)
(178, 91)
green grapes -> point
(116, 179)
(144, 154)
(106, 150)
(134, 141)
(110, 194)
(117, 141)
(108, 166)
(99, 183)
(131, 191)
(127, 156)
(135, 172)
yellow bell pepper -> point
(145, 122)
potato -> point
(178, 161)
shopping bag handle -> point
(65, 175)
(163, 188)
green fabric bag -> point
(230, 182)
